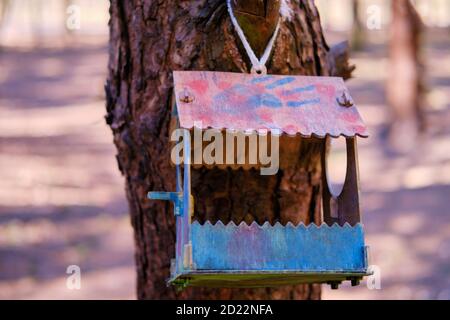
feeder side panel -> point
(278, 248)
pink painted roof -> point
(284, 104)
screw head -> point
(186, 97)
(344, 101)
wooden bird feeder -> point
(293, 108)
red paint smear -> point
(350, 117)
(199, 86)
(223, 85)
(328, 90)
(204, 119)
(290, 129)
(265, 116)
(359, 129)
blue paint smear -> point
(264, 100)
(221, 99)
(261, 79)
(296, 104)
(299, 90)
(237, 89)
(280, 82)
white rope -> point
(286, 11)
(258, 65)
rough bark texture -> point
(405, 82)
(149, 39)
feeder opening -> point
(336, 166)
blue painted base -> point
(262, 256)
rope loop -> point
(258, 65)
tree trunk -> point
(405, 82)
(4, 6)
(358, 33)
(148, 40)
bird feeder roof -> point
(309, 106)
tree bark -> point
(358, 32)
(4, 6)
(405, 83)
(148, 40)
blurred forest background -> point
(62, 198)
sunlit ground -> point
(62, 198)
(61, 195)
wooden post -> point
(187, 203)
(344, 207)
(348, 200)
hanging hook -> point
(261, 70)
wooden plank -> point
(245, 279)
